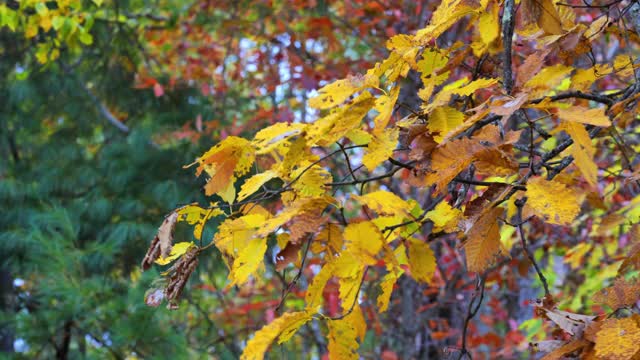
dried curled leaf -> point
(162, 242)
(179, 274)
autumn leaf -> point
(364, 240)
(617, 339)
(339, 91)
(444, 217)
(582, 150)
(343, 336)
(422, 262)
(544, 14)
(552, 201)
(442, 120)
(261, 341)
(583, 115)
(483, 245)
(386, 287)
(384, 203)
(248, 261)
(177, 250)
(380, 148)
(384, 106)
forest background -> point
(104, 102)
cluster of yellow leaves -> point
(441, 147)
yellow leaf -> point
(386, 285)
(582, 151)
(261, 341)
(364, 240)
(584, 78)
(254, 183)
(275, 135)
(405, 46)
(549, 77)
(384, 203)
(583, 115)
(177, 250)
(552, 201)
(384, 106)
(617, 339)
(297, 208)
(431, 63)
(380, 148)
(447, 14)
(314, 297)
(235, 234)
(343, 336)
(248, 261)
(339, 91)
(489, 26)
(483, 244)
(444, 217)
(333, 127)
(422, 262)
(195, 215)
(310, 180)
(442, 120)
(549, 19)
(392, 67)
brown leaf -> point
(493, 161)
(563, 351)
(633, 259)
(163, 241)
(483, 244)
(531, 66)
(179, 274)
(571, 323)
(622, 293)
(450, 159)
(544, 14)
(493, 193)
(287, 255)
